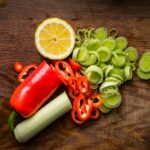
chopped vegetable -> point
(143, 70)
(64, 71)
(74, 65)
(25, 71)
(101, 33)
(28, 128)
(121, 43)
(132, 53)
(31, 94)
(18, 66)
(11, 120)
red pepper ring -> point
(83, 107)
(72, 82)
(75, 117)
(96, 99)
(64, 70)
(95, 114)
(25, 71)
(73, 93)
(83, 84)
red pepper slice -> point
(73, 93)
(95, 114)
(72, 82)
(96, 99)
(31, 94)
(77, 74)
(64, 70)
(83, 107)
(25, 72)
(83, 84)
(75, 117)
(74, 65)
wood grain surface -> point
(125, 128)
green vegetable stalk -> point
(44, 117)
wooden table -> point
(125, 128)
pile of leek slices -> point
(107, 61)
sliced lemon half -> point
(55, 38)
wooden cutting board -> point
(125, 128)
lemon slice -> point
(55, 38)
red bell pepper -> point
(31, 94)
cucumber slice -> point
(101, 33)
(132, 53)
(104, 109)
(104, 54)
(82, 54)
(110, 43)
(112, 101)
(121, 43)
(93, 44)
(144, 63)
(143, 75)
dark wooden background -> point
(125, 128)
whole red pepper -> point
(31, 94)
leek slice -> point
(121, 43)
(132, 53)
(101, 33)
(110, 43)
(104, 54)
(94, 71)
(112, 101)
(104, 109)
